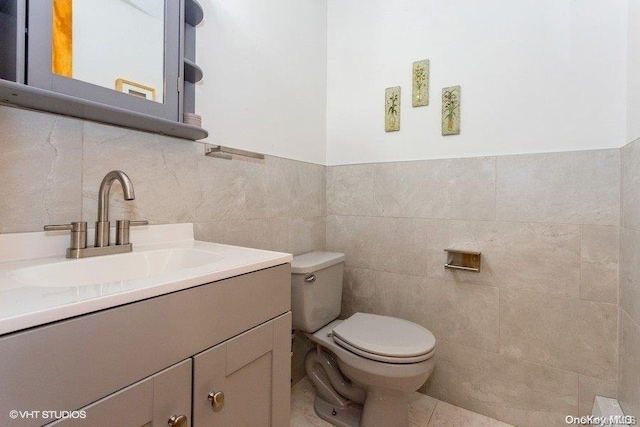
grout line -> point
(499, 322)
(580, 280)
(495, 189)
(82, 160)
(637, 325)
(621, 187)
(433, 412)
(474, 220)
(459, 282)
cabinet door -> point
(252, 371)
(150, 402)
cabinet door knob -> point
(217, 400)
(177, 421)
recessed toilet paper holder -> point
(463, 260)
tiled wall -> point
(51, 167)
(629, 334)
(530, 339)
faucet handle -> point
(78, 233)
(58, 227)
(122, 229)
(74, 226)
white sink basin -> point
(39, 285)
(113, 268)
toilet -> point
(363, 368)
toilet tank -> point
(316, 289)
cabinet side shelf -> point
(193, 12)
(192, 73)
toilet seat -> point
(385, 339)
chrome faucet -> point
(78, 247)
(102, 225)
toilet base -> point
(348, 416)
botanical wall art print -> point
(392, 109)
(420, 95)
(451, 110)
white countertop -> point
(25, 304)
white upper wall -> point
(264, 86)
(633, 73)
(536, 76)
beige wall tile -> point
(295, 189)
(448, 189)
(402, 296)
(462, 313)
(387, 294)
(589, 388)
(350, 235)
(256, 189)
(306, 235)
(350, 190)
(385, 244)
(580, 187)
(629, 337)
(254, 233)
(457, 312)
(359, 292)
(220, 190)
(600, 255)
(40, 156)
(630, 273)
(398, 245)
(571, 334)
(164, 172)
(630, 185)
(290, 235)
(25, 129)
(536, 257)
(509, 390)
(629, 373)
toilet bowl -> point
(383, 358)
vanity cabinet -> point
(146, 359)
(150, 402)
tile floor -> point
(425, 411)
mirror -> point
(120, 53)
(115, 44)
(125, 62)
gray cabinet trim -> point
(20, 95)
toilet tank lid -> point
(314, 261)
